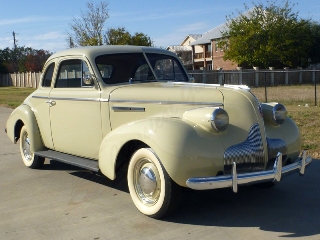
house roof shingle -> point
(211, 34)
(216, 32)
(178, 48)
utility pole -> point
(14, 40)
(71, 44)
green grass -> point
(12, 97)
(294, 98)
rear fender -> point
(24, 116)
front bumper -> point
(234, 179)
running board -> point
(70, 159)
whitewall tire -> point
(28, 157)
(152, 190)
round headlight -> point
(219, 119)
(279, 113)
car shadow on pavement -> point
(120, 183)
(291, 207)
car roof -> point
(94, 51)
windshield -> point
(133, 67)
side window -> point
(72, 74)
(47, 79)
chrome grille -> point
(248, 155)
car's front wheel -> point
(28, 157)
(152, 190)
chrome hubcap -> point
(147, 181)
(26, 147)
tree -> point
(88, 30)
(120, 36)
(22, 59)
(267, 35)
(36, 60)
(314, 51)
(117, 36)
(141, 39)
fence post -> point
(204, 76)
(220, 75)
(256, 76)
(265, 87)
(300, 75)
(7, 79)
(33, 78)
(29, 79)
(14, 76)
(314, 74)
(17, 76)
(240, 75)
(23, 79)
(286, 76)
(271, 76)
(315, 89)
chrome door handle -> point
(51, 103)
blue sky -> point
(43, 24)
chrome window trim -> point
(167, 102)
(195, 84)
(74, 99)
(216, 104)
(41, 97)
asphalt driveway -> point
(66, 202)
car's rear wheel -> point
(28, 157)
(152, 190)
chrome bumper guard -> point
(233, 180)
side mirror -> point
(191, 79)
(88, 79)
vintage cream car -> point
(111, 107)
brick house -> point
(206, 53)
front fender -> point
(288, 132)
(184, 150)
(24, 114)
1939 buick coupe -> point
(106, 107)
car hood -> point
(168, 100)
(168, 93)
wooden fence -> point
(252, 78)
(27, 79)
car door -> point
(75, 110)
(40, 106)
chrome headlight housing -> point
(219, 119)
(279, 113)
